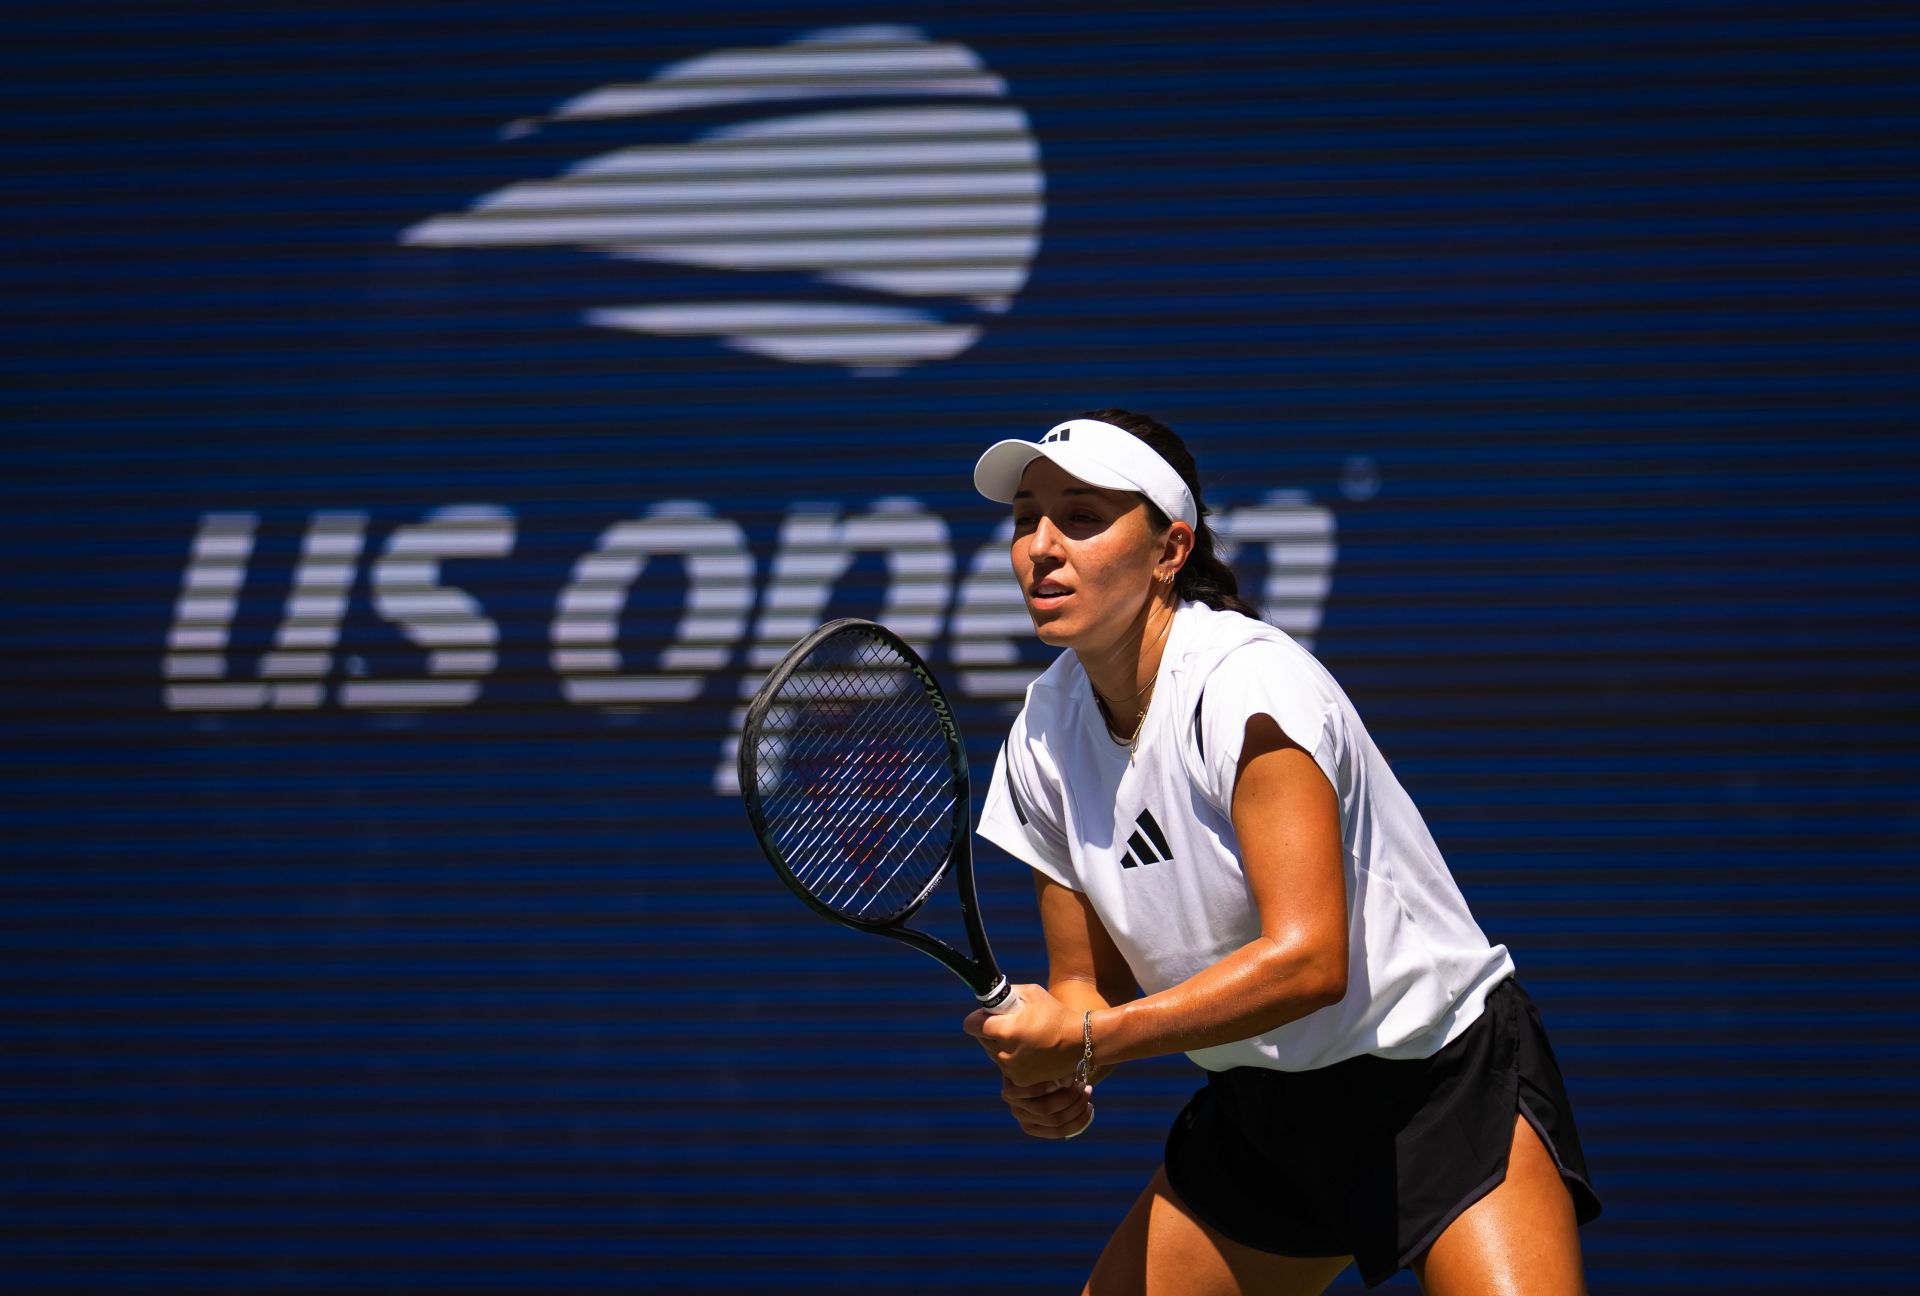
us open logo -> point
(904, 226)
(739, 617)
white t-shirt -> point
(1151, 842)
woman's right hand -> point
(1051, 1110)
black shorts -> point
(1371, 1157)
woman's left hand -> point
(1037, 1042)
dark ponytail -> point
(1206, 578)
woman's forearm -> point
(1260, 986)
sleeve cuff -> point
(1015, 842)
(1315, 738)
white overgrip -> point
(1003, 998)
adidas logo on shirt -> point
(1139, 851)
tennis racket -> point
(855, 781)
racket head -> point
(854, 774)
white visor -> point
(1098, 454)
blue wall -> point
(374, 911)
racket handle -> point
(1003, 998)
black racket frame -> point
(981, 973)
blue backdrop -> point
(425, 420)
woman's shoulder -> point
(1232, 663)
(1239, 667)
(1216, 639)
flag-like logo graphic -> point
(910, 222)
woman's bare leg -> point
(1160, 1249)
(1518, 1240)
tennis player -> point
(1226, 867)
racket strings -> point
(861, 778)
(862, 832)
(852, 814)
(853, 774)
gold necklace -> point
(1133, 742)
(1106, 713)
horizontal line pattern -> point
(1610, 310)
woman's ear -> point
(1176, 548)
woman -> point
(1226, 867)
